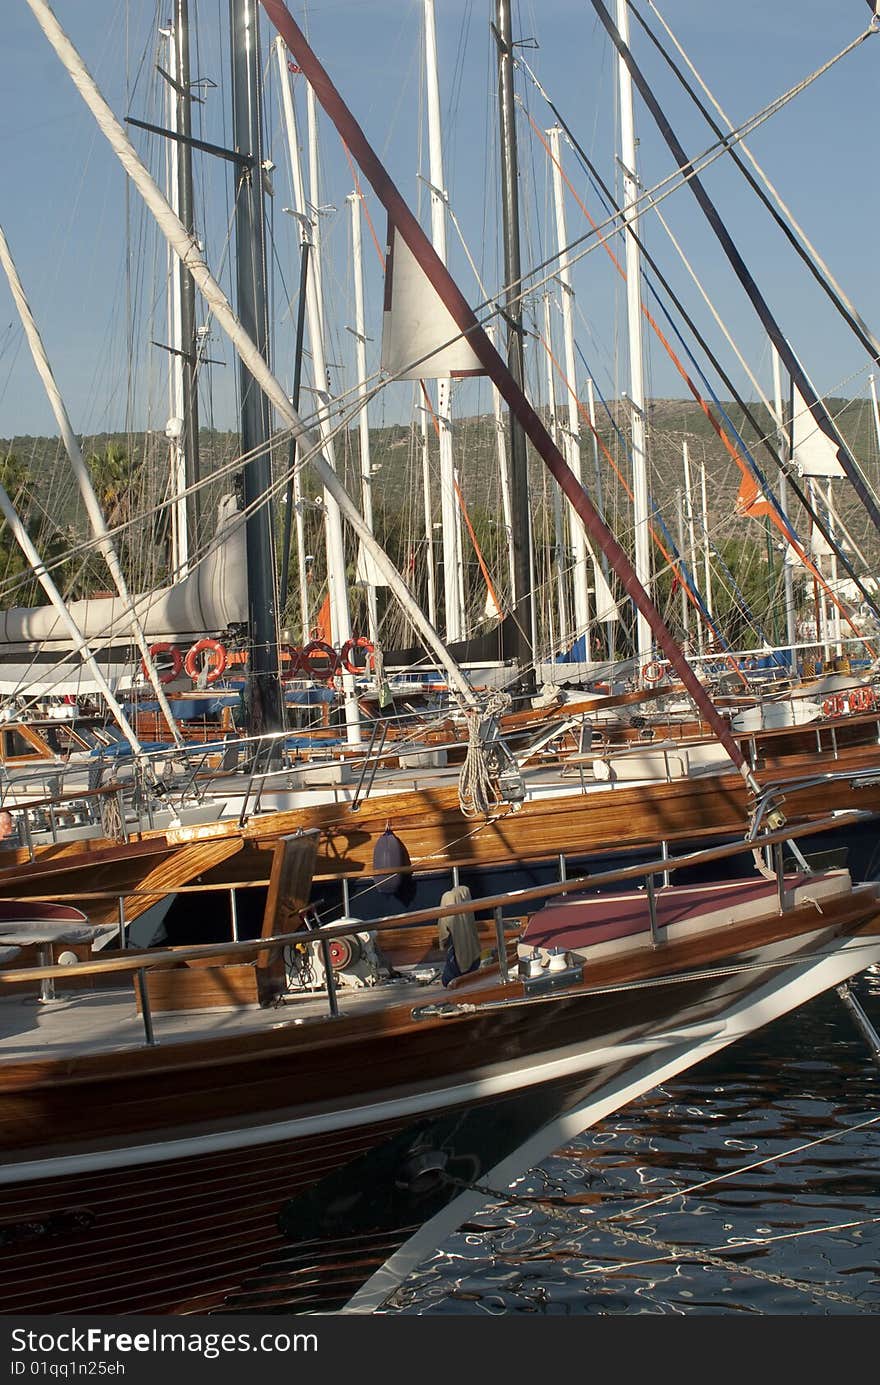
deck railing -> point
(662, 867)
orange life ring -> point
(305, 665)
(163, 647)
(652, 672)
(359, 642)
(218, 663)
(833, 706)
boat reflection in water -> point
(793, 1233)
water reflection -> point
(648, 1228)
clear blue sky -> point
(65, 211)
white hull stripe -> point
(563, 1063)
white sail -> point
(814, 452)
(420, 339)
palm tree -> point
(114, 477)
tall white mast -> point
(81, 472)
(571, 434)
(634, 321)
(558, 527)
(876, 407)
(449, 509)
(308, 211)
(354, 201)
(503, 469)
(174, 429)
(685, 601)
(787, 555)
(422, 412)
(692, 536)
(707, 567)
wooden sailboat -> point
(165, 1156)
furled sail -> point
(212, 597)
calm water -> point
(811, 1219)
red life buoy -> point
(833, 706)
(652, 672)
(163, 647)
(325, 655)
(218, 663)
(359, 642)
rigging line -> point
(687, 171)
(690, 587)
(790, 473)
(764, 494)
(462, 505)
(725, 240)
(584, 245)
(726, 572)
(675, 563)
(663, 340)
(786, 220)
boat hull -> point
(284, 1170)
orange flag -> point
(323, 629)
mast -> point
(503, 474)
(685, 613)
(453, 574)
(634, 325)
(188, 334)
(787, 565)
(427, 512)
(308, 215)
(246, 348)
(354, 201)
(175, 427)
(875, 407)
(520, 644)
(562, 631)
(294, 496)
(571, 436)
(692, 536)
(264, 709)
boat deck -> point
(103, 1021)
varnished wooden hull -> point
(276, 1169)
